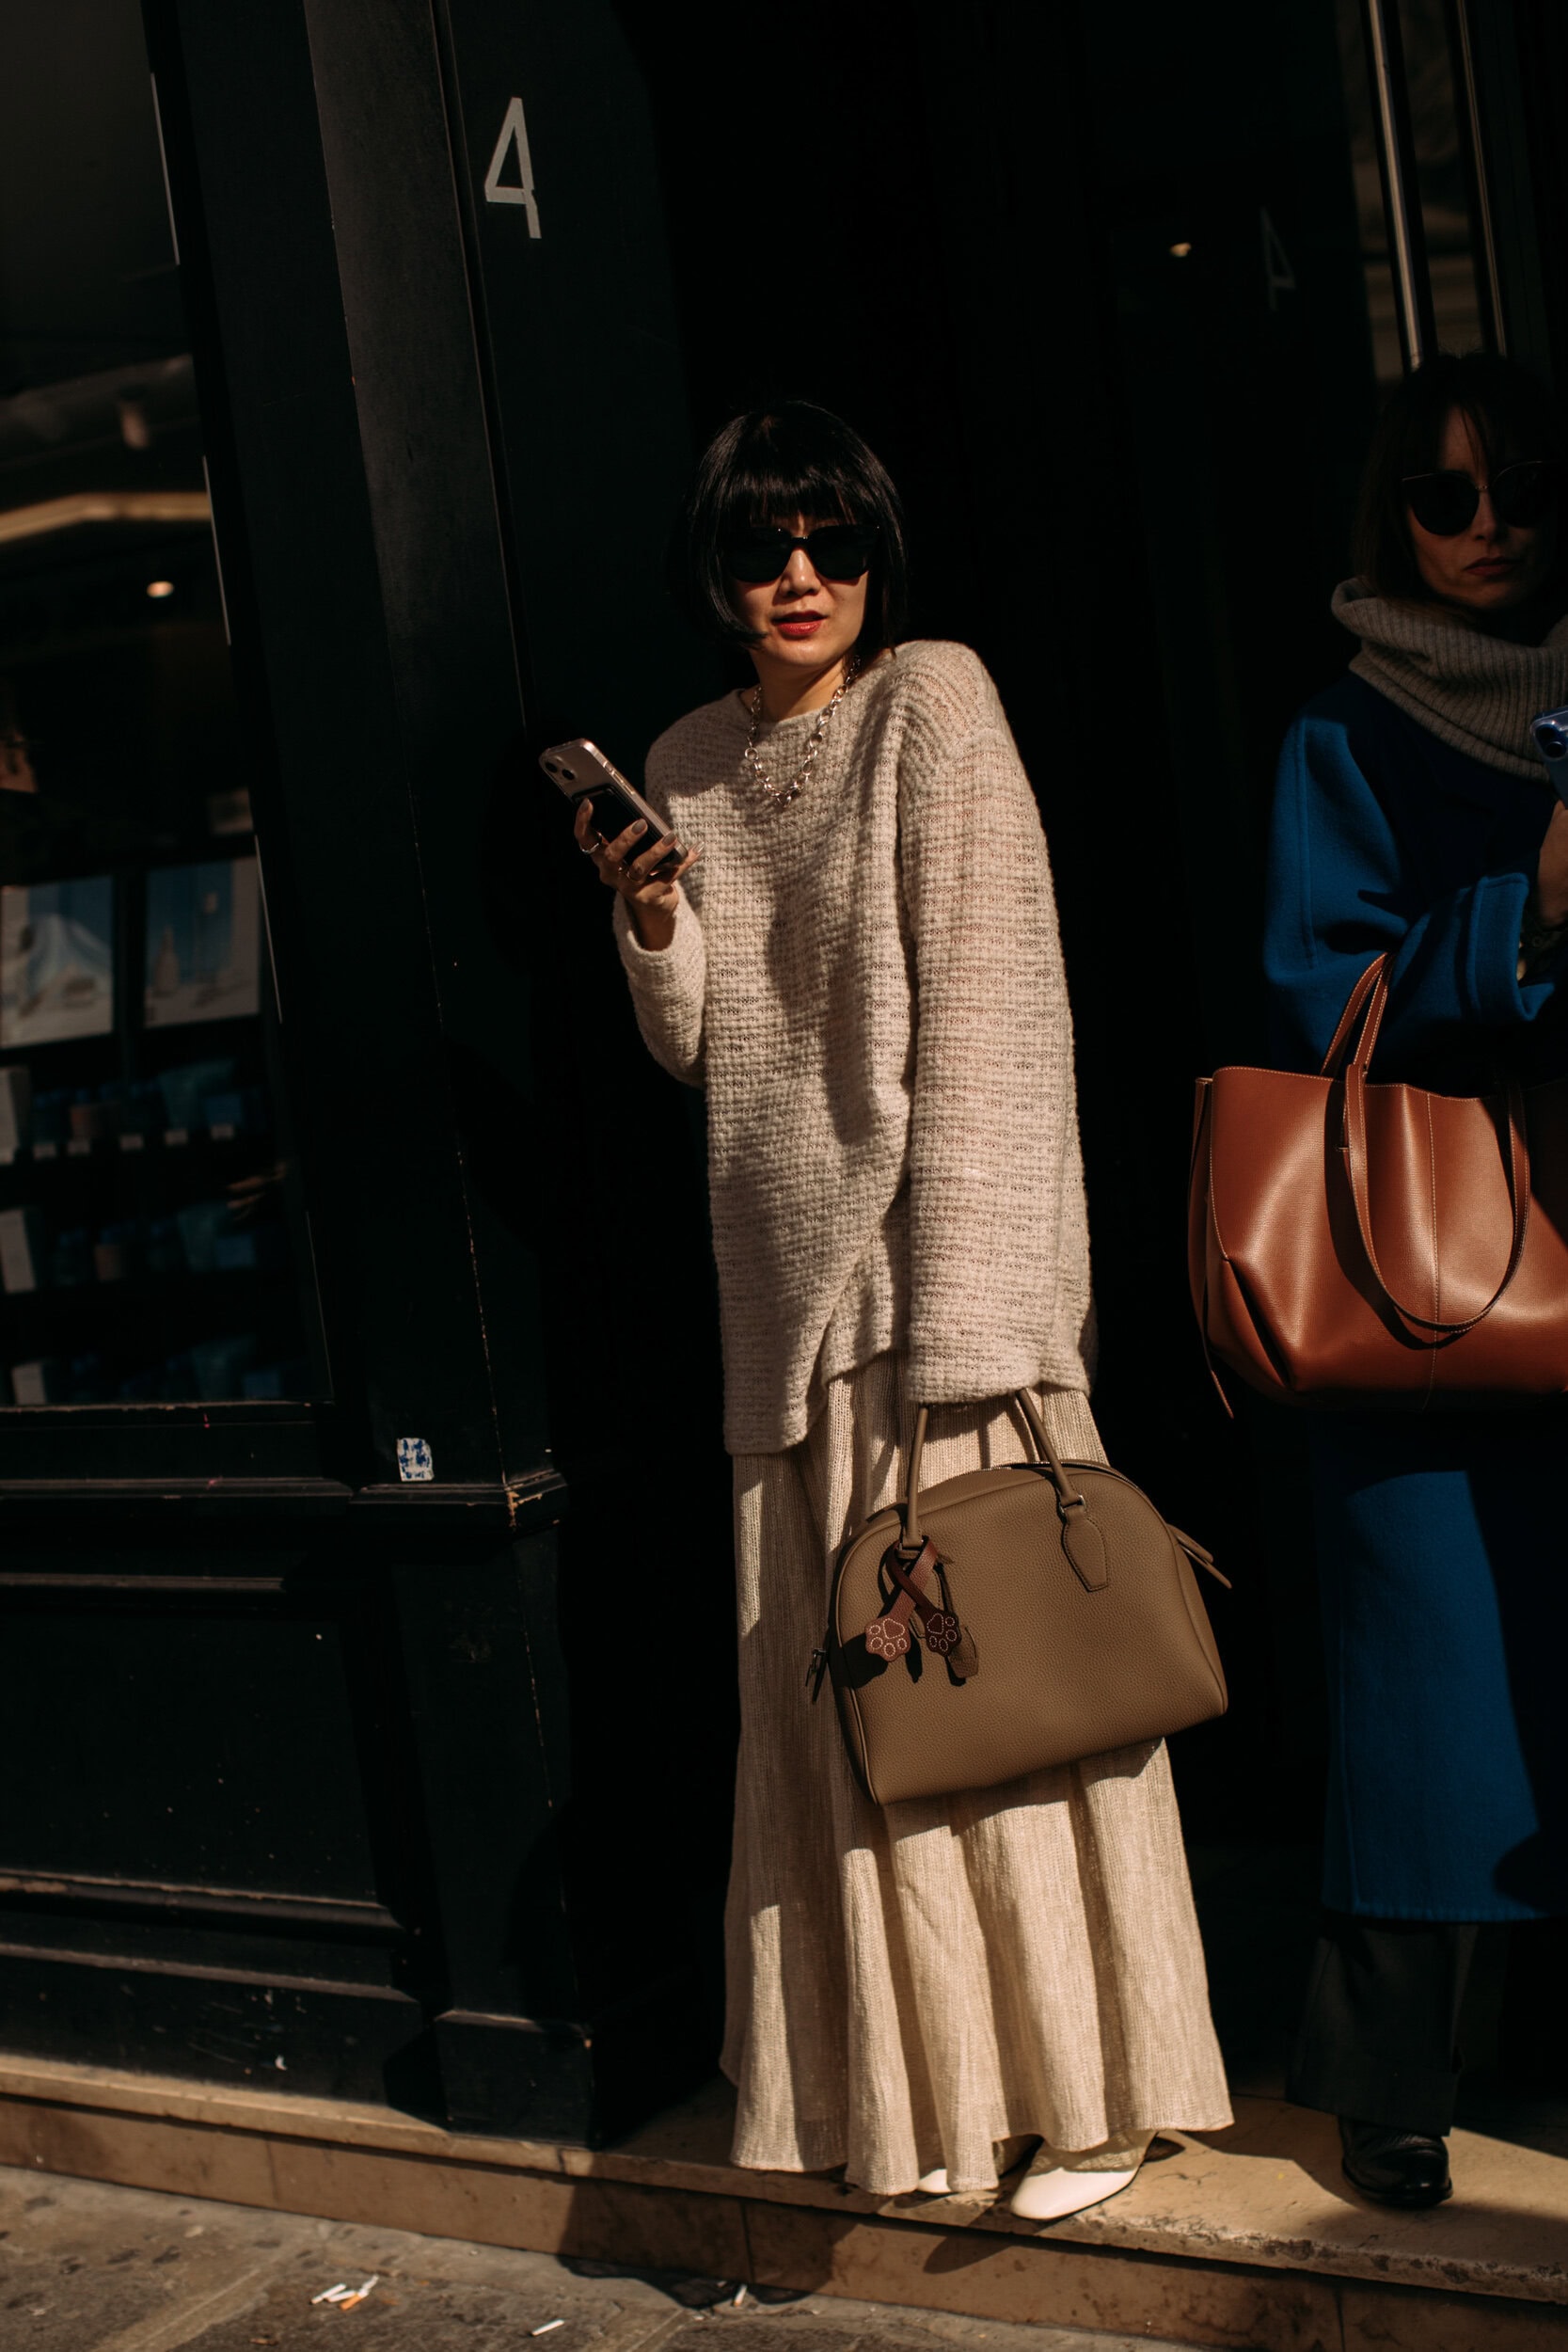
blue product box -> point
(200, 1227)
(141, 1108)
(70, 1260)
(163, 1250)
(184, 1088)
(50, 1117)
(225, 1110)
(253, 1247)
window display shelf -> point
(185, 1141)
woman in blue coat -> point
(1412, 813)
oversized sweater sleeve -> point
(668, 988)
(999, 1276)
(1340, 893)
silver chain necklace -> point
(781, 794)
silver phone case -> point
(578, 767)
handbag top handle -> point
(1081, 1538)
(1367, 1002)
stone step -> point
(91, 2267)
(1248, 2240)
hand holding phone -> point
(632, 849)
(1548, 903)
(580, 770)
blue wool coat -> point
(1443, 1539)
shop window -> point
(153, 1240)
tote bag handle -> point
(1368, 1001)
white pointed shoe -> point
(1050, 2191)
(932, 2184)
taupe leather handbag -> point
(1011, 1619)
(1352, 1244)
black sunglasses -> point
(1446, 504)
(835, 551)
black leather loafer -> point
(1395, 2167)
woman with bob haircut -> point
(856, 954)
(1413, 814)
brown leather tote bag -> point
(1014, 1619)
(1360, 1245)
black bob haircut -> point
(766, 466)
(1513, 415)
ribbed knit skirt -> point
(910, 1984)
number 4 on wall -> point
(512, 141)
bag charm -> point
(889, 1636)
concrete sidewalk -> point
(87, 2268)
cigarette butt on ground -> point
(546, 2327)
(330, 2295)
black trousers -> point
(1378, 2034)
(1377, 2038)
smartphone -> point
(580, 770)
(1550, 734)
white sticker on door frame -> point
(514, 140)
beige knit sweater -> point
(869, 983)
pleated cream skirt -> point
(910, 1985)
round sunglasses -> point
(835, 551)
(1445, 503)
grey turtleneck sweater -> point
(1474, 690)
(869, 984)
